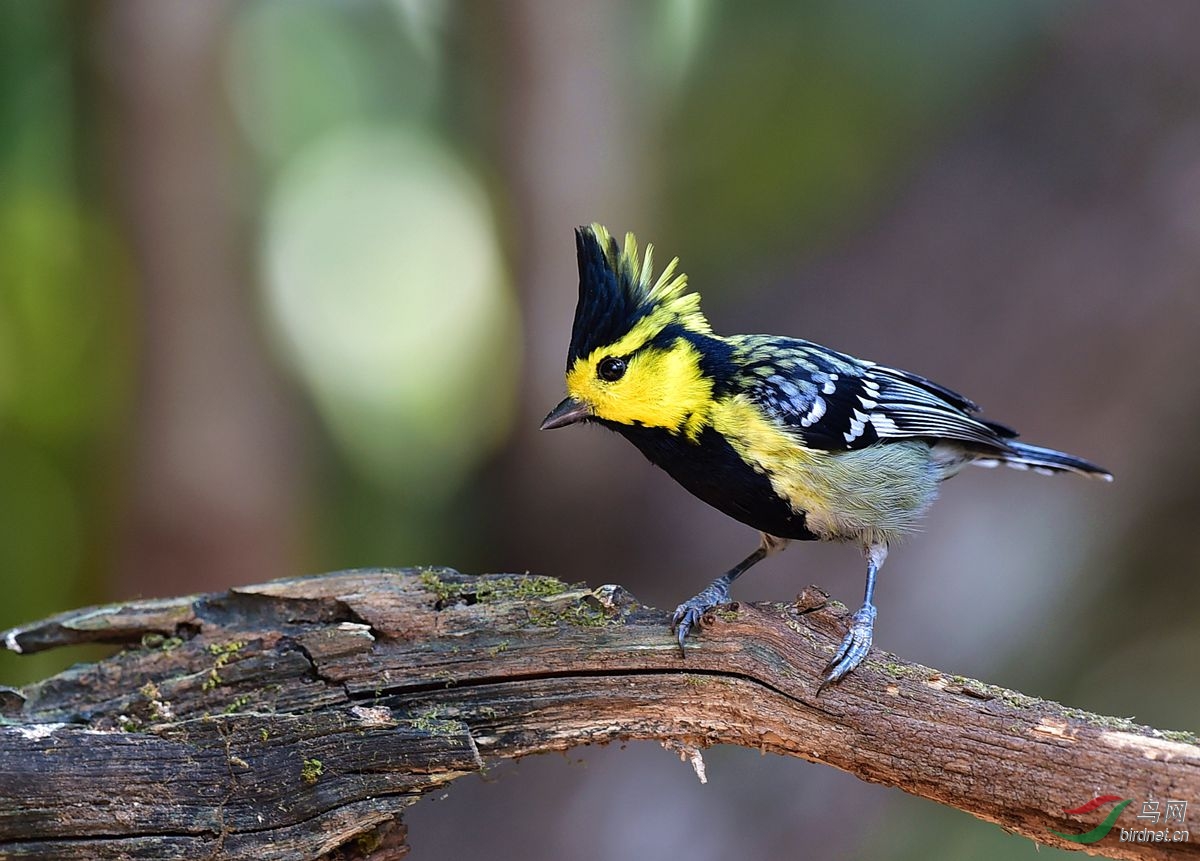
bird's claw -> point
(854, 647)
(688, 614)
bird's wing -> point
(836, 402)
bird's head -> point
(637, 354)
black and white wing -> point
(836, 402)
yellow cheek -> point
(661, 388)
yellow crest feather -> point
(665, 299)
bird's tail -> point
(1044, 460)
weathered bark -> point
(296, 719)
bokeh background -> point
(287, 286)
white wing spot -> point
(856, 428)
(814, 413)
(884, 424)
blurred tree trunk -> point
(572, 150)
(212, 459)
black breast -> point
(710, 469)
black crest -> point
(607, 308)
(617, 290)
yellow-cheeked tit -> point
(786, 436)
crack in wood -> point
(297, 719)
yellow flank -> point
(662, 388)
(769, 448)
(871, 494)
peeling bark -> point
(296, 719)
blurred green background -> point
(287, 286)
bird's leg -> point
(857, 641)
(688, 614)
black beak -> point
(566, 413)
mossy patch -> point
(1102, 721)
(579, 614)
(900, 671)
(311, 771)
(128, 723)
(488, 589)
(158, 708)
(161, 642)
(365, 844)
(1014, 698)
(223, 652)
(237, 705)
(432, 723)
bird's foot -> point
(854, 648)
(690, 612)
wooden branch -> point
(296, 719)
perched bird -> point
(789, 437)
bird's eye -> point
(611, 369)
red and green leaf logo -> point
(1101, 830)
